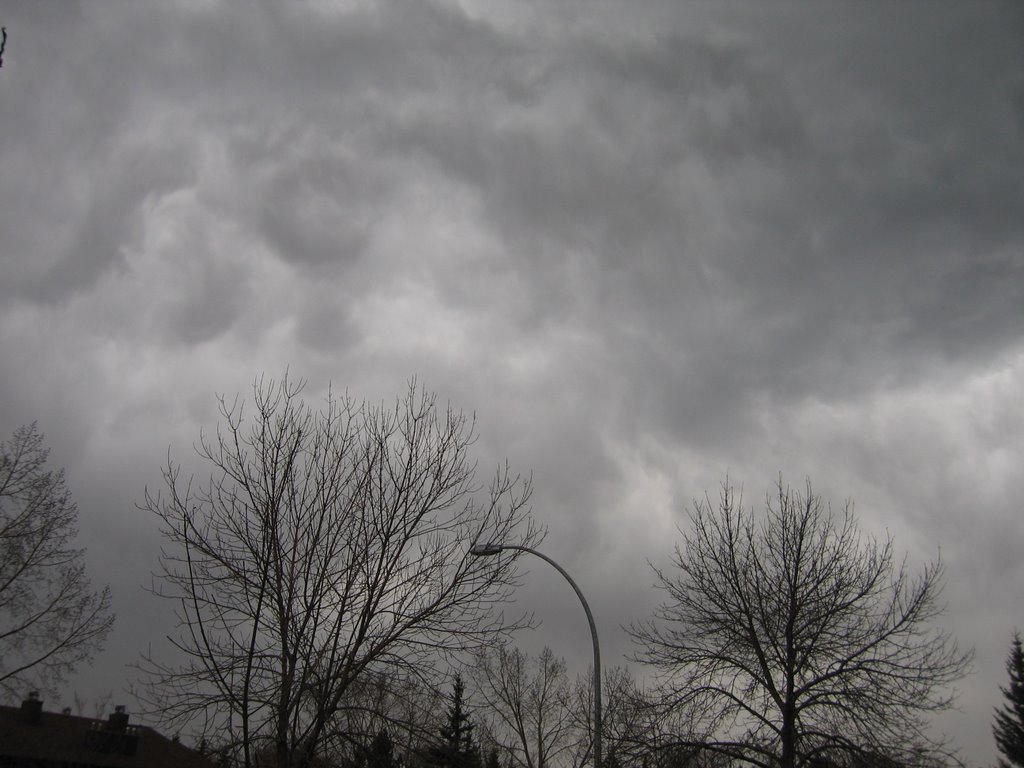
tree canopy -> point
(458, 747)
(795, 638)
(51, 620)
(328, 545)
(1009, 725)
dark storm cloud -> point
(616, 181)
(647, 244)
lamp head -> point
(485, 550)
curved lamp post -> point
(487, 550)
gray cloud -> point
(648, 246)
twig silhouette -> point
(3, 44)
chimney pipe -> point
(118, 722)
(32, 708)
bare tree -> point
(526, 700)
(100, 704)
(50, 618)
(405, 707)
(797, 638)
(326, 545)
(533, 711)
(627, 720)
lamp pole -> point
(488, 550)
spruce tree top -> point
(457, 749)
(1009, 725)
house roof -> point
(64, 738)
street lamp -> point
(488, 550)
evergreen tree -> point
(612, 759)
(457, 748)
(1009, 726)
(380, 753)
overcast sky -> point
(649, 243)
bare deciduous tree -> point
(326, 545)
(526, 701)
(406, 707)
(50, 618)
(627, 720)
(533, 712)
(797, 637)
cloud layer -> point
(649, 244)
